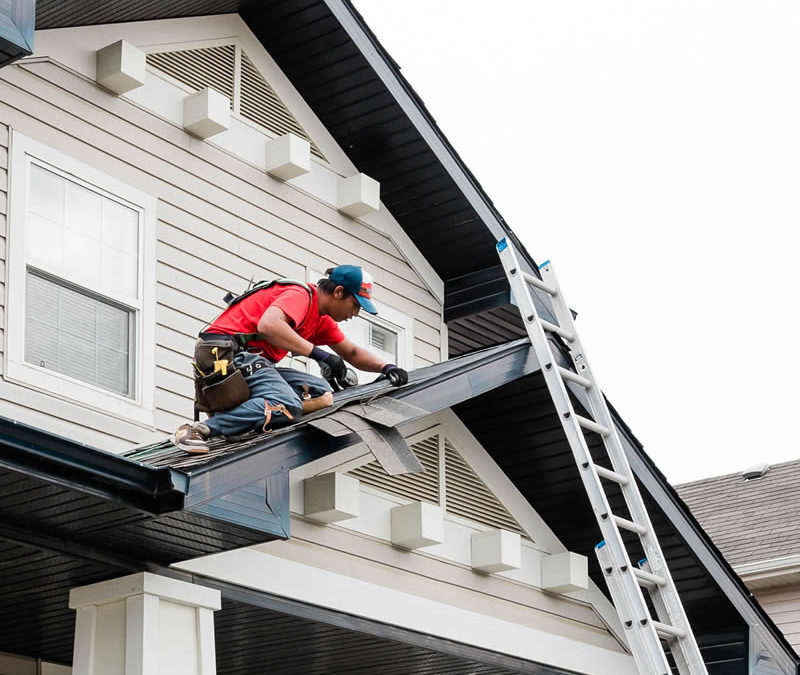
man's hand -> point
(334, 362)
(397, 376)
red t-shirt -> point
(303, 316)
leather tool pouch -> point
(218, 383)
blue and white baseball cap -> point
(356, 281)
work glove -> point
(397, 376)
(338, 368)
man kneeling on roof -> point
(255, 332)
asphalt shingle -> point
(749, 520)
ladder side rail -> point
(650, 658)
(668, 604)
(582, 455)
(683, 660)
(665, 597)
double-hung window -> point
(389, 335)
(80, 283)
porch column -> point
(144, 624)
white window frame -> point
(140, 407)
(387, 317)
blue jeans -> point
(275, 385)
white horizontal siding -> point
(3, 210)
(220, 223)
(783, 607)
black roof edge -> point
(679, 514)
(387, 69)
(302, 434)
(59, 460)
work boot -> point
(192, 438)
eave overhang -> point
(16, 30)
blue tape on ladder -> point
(642, 562)
(601, 544)
(544, 264)
(502, 245)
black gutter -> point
(80, 467)
(448, 384)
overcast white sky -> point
(651, 150)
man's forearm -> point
(281, 335)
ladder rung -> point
(567, 374)
(536, 281)
(648, 578)
(591, 425)
(569, 337)
(611, 475)
(629, 525)
(668, 632)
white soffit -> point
(272, 574)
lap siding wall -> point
(220, 222)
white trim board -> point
(762, 569)
(372, 523)
(307, 584)
(74, 48)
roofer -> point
(255, 332)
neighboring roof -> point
(749, 520)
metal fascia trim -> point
(76, 466)
(355, 29)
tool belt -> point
(218, 384)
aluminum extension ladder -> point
(625, 580)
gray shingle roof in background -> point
(749, 520)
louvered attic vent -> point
(415, 486)
(466, 495)
(216, 67)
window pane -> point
(44, 246)
(47, 193)
(120, 227)
(85, 211)
(119, 273)
(82, 259)
(80, 235)
(77, 334)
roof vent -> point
(755, 471)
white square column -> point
(144, 624)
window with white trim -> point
(81, 300)
(389, 335)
